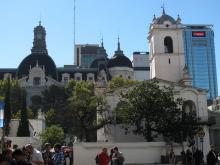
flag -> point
(1, 113)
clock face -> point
(39, 36)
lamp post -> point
(201, 135)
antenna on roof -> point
(74, 22)
(74, 29)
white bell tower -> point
(166, 48)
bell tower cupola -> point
(166, 48)
(39, 44)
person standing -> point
(103, 158)
(117, 158)
(33, 155)
(19, 158)
(212, 157)
(189, 157)
(58, 156)
(198, 157)
(47, 154)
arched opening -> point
(189, 107)
(189, 121)
(168, 45)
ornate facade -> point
(38, 70)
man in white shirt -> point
(34, 156)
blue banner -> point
(2, 104)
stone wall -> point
(139, 152)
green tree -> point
(118, 82)
(23, 128)
(54, 97)
(36, 104)
(182, 128)
(7, 109)
(16, 94)
(55, 106)
(53, 134)
(84, 105)
(149, 108)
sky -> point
(130, 19)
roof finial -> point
(102, 44)
(119, 43)
(178, 20)
(40, 21)
(163, 7)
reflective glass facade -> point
(200, 58)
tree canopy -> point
(85, 105)
(23, 128)
(117, 82)
(152, 110)
(53, 134)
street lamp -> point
(201, 135)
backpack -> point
(97, 159)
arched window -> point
(168, 45)
(189, 107)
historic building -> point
(167, 65)
(38, 70)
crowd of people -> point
(28, 155)
(114, 158)
(196, 157)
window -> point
(189, 106)
(78, 78)
(36, 81)
(65, 80)
(168, 45)
(90, 78)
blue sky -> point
(129, 19)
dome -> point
(164, 17)
(119, 61)
(99, 61)
(43, 60)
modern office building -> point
(85, 54)
(141, 66)
(200, 57)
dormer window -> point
(168, 45)
(65, 80)
(78, 76)
(90, 78)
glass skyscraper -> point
(200, 57)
